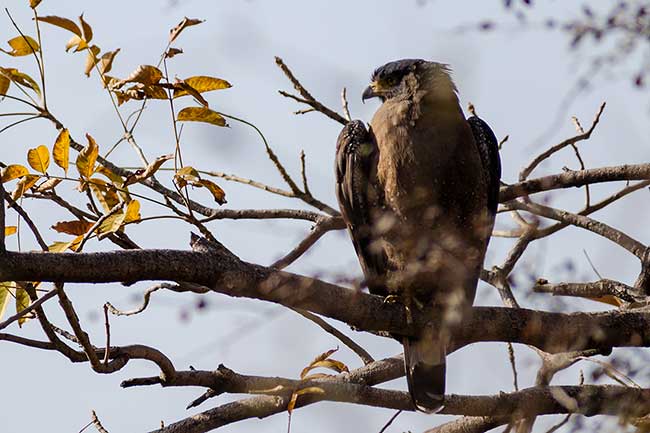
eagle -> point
(418, 190)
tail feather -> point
(424, 362)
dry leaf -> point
(64, 23)
(60, 247)
(76, 42)
(149, 171)
(21, 79)
(34, 3)
(218, 194)
(4, 84)
(187, 22)
(22, 302)
(173, 52)
(145, 74)
(106, 64)
(61, 150)
(91, 59)
(39, 158)
(201, 114)
(86, 29)
(186, 175)
(10, 230)
(25, 183)
(22, 46)
(87, 158)
(76, 228)
(48, 185)
(13, 171)
(106, 193)
(132, 212)
(309, 390)
(202, 84)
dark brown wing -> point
(488, 147)
(359, 198)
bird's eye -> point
(392, 80)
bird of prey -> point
(418, 191)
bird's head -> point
(402, 78)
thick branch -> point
(575, 178)
(551, 332)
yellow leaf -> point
(63, 23)
(145, 74)
(34, 3)
(202, 84)
(110, 174)
(76, 42)
(22, 46)
(85, 27)
(309, 390)
(151, 92)
(187, 22)
(60, 247)
(132, 212)
(106, 63)
(185, 175)
(218, 194)
(201, 114)
(4, 296)
(13, 171)
(91, 59)
(25, 183)
(322, 357)
(106, 193)
(10, 230)
(186, 89)
(111, 224)
(21, 79)
(142, 174)
(22, 302)
(87, 158)
(48, 185)
(39, 158)
(61, 150)
(76, 228)
(4, 84)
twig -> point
(30, 223)
(544, 155)
(303, 173)
(36, 304)
(98, 425)
(322, 227)
(346, 109)
(392, 418)
(513, 365)
(307, 98)
(360, 351)
(596, 289)
(145, 302)
(602, 229)
(107, 351)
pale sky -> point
(517, 78)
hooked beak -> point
(368, 94)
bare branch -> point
(307, 98)
(570, 141)
(360, 351)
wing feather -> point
(488, 147)
(360, 199)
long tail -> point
(424, 362)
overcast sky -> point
(518, 78)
